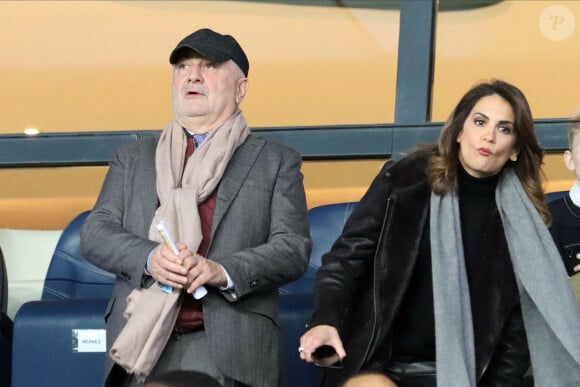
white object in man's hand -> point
(199, 292)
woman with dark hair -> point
(445, 270)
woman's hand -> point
(317, 337)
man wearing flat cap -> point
(233, 203)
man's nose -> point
(194, 74)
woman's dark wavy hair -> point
(444, 163)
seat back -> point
(61, 338)
(59, 343)
(69, 275)
(297, 298)
(551, 196)
(326, 224)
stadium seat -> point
(69, 275)
(326, 224)
(297, 297)
(551, 196)
(61, 338)
(59, 343)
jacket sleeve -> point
(264, 240)
(511, 359)
(107, 239)
(349, 263)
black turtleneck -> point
(477, 209)
(482, 231)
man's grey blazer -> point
(260, 234)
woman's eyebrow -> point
(503, 122)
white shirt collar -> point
(575, 194)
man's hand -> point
(203, 271)
(167, 268)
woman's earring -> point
(514, 158)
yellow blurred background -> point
(78, 66)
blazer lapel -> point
(234, 176)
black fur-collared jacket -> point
(364, 277)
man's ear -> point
(569, 160)
(241, 90)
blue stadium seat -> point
(46, 348)
(69, 275)
(326, 224)
(551, 196)
(297, 298)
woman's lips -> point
(484, 151)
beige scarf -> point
(151, 313)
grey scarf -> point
(551, 312)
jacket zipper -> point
(375, 275)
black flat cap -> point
(213, 46)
